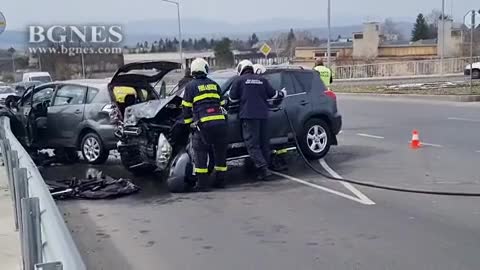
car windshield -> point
(350, 140)
(42, 79)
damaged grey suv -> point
(153, 137)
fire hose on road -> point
(372, 184)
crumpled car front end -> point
(150, 134)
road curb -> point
(456, 98)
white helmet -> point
(259, 69)
(199, 65)
(243, 65)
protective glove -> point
(284, 92)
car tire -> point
(476, 74)
(131, 157)
(315, 139)
(93, 150)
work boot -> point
(264, 174)
(279, 164)
(219, 180)
(202, 183)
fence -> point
(46, 242)
(410, 68)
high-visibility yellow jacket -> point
(325, 74)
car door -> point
(234, 126)
(277, 123)
(298, 103)
(32, 112)
(66, 113)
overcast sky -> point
(20, 13)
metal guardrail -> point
(46, 242)
(406, 68)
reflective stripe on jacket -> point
(202, 101)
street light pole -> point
(329, 34)
(179, 29)
(13, 63)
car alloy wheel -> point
(91, 149)
(317, 139)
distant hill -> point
(14, 39)
(150, 30)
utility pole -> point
(472, 30)
(442, 56)
(329, 34)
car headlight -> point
(164, 152)
(130, 119)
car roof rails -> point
(287, 66)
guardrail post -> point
(11, 182)
(49, 266)
(32, 250)
(21, 191)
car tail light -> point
(331, 94)
(113, 113)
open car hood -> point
(151, 72)
(150, 109)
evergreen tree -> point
(223, 53)
(421, 29)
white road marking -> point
(294, 179)
(349, 186)
(429, 144)
(370, 136)
(464, 119)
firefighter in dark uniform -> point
(253, 91)
(202, 109)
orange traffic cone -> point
(415, 143)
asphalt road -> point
(301, 220)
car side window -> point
(70, 95)
(40, 95)
(91, 94)
(304, 80)
(275, 80)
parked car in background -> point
(21, 87)
(43, 77)
(5, 92)
(474, 69)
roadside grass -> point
(427, 90)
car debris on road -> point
(95, 187)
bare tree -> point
(279, 43)
(390, 27)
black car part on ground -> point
(371, 184)
(93, 188)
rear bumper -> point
(107, 133)
(336, 124)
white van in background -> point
(43, 77)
